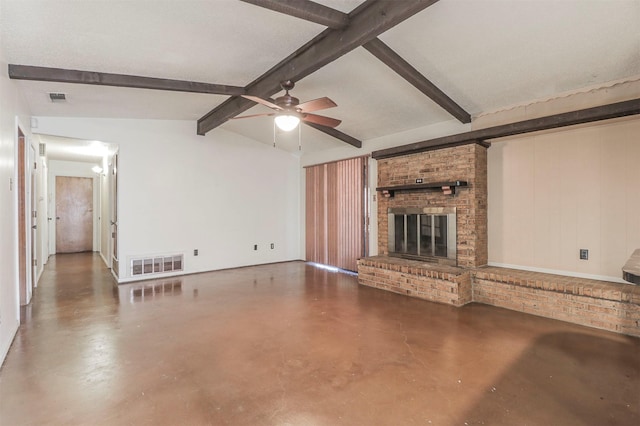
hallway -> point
(292, 344)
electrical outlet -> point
(584, 254)
(195, 252)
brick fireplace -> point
(455, 178)
(466, 163)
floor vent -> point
(157, 265)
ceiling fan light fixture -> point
(287, 121)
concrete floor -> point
(291, 344)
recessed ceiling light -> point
(57, 97)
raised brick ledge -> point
(604, 290)
(593, 303)
(414, 267)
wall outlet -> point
(255, 247)
(584, 254)
(195, 252)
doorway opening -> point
(80, 194)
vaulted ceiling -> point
(480, 56)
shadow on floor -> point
(562, 376)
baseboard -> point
(7, 341)
(106, 262)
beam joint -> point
(368, 21)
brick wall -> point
(466, 163)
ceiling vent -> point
(57, 97)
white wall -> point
(552, 194)
(13, 112)
(220, 194)
(73, 169)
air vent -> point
(57, 97)
(157, 264)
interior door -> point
(74, 214)
(114, 216)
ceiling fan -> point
(289, 110)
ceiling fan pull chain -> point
(274, 133)
(299, 133)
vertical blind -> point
(336, 212)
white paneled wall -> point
(555, 193)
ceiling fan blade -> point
(321, 119)
(262, 102)
(254, 115)
(317, 105)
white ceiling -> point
(485, 54)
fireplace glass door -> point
(425, 233)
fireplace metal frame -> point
(450, 212)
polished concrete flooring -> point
(291, 344)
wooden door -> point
(74, 214)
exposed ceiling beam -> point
(383, 52)
(366, 23)
(588, 115)
(307, 10)
(336, 134)
(59, 75)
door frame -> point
(114, 261)
(33, 216)
(24, 290)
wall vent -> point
(43, 149)
(157, 264)
(57, 97)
